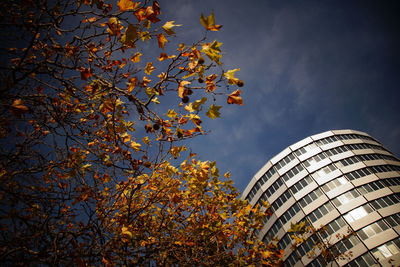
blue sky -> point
(308, 67)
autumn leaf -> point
(136, 57)
(209, 22)
(162, 40)
(213, 51)
(149, 68)
(90, 20)
(125, 5)
(18, 107)
(230, 76)
(164, 56)
(181, 88)
(171, 113)
(135, 146)
(176, 150)
(196, 104)
(213, 112)
(167, 27)
(130, 36)
(125, 231)
(235, 98)
(85, 73)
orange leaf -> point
(18, 107)
(85, 73)
(161, 40)
(181, 88)
(92, 19)
(125, 5)
(235, 98)
(164, 56)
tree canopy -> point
(95, 108)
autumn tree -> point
(93, 164)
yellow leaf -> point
(146, 140)
(125, 231)
(196, 104)
(155, 100)
(181, 88)
(230, 76)
(167, 27)
(209, 22)
(213, 51)
(149, 68)
(135, 146)
(18, 107)
(213, 112)
(136, 57)
(164, 56)
(176, 150)
(162, 40)
(171, 113)
(125, 5)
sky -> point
(308, 67)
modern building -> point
(344, 180)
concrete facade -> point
(344, 180)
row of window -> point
(320, 212)
(350, 216)
(345, 198)
(371, 170)
(301, 184)
(283, 162)
(344, 148)
(387, 250)
(360, 158)
(364, 260)
(292, 172)
(328, 140)
(309, 198)
(372, 229)
(280, 201)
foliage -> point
(93, 170)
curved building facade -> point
(344, 180)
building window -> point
(333, 227)
(292, 172)
(313, 160)
(301, 184)
(362, 261)
(280, 201)
(285, 241)
(373, 186)
(268, 175)
(285, 161)
(273, 188)
(358, 213)
(291, 260)
(372, 229)
(324, 171)
(305, 149)
(393, 220)
(387, 250)
(335, 183)
(346, 244)
(345, 198)
(309, 198)
(308, 245)
(386, 201)
(320, 212)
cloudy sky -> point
(308, 66)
